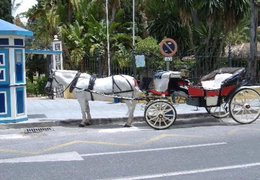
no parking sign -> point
(168, 47)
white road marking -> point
(197, 171)
(156, 149)
(12, 136)
(115, 130)
(68, 156)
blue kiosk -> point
(13, 105)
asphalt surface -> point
(61, 112)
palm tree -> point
(212, 20)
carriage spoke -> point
(168, 115)
(238, 111)
(168, 111)
(243, 111)
(152, 119)
(156, 121)
(164, 108)
(248, 110)
(165, 121)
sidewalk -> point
(47, 112)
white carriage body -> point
(216, 82)
(161, 82)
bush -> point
(31, 89)
(37, 87)
(41, 82)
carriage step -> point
(37, 130)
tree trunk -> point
(207, 58)
(115, 5)
(253, 44)
(145, 23)
(197, 71)
(195, 18)
(216, 40)
(69, 11)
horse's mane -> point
(73, 73)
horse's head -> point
(51, 83)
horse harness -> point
(92, 83)
(74, 82)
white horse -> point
(86, 87)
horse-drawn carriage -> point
(223, 92)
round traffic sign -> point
(168, 47)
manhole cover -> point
(37, 130)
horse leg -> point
(87, 110)
(82, 107)
(131, 107)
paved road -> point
(202, 150)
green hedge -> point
(36, 88)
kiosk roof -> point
(7, 28)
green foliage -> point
(179, 64)
(5, 10)
(41, 82)
(198, 26)
(32, 88)
(37, 87)
(148, 46)
(36, 63)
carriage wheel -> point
(244, 106)
(160, 114)
(219, 111)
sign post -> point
(168, 47)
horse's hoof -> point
(88, 123)
(81, 125)
(126, 125)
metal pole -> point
(108, 45)
(167, 66)
(133, 52)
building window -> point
(18, 42)
(19, 66)
(2, 102)
(2, 60)
(2, 74)
(20, 100)
(4, 41)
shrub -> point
(37, 87)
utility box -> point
(13, 96)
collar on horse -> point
(74, 82)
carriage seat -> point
(162, 78)
(216, 82)
(167, 74)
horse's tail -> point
(137, 90)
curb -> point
(95, 121)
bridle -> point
(49, 90)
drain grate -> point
(37, 130)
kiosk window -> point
(2, 103)
(4, 41)
(19, 65)
(18, 42)
(2, 62)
